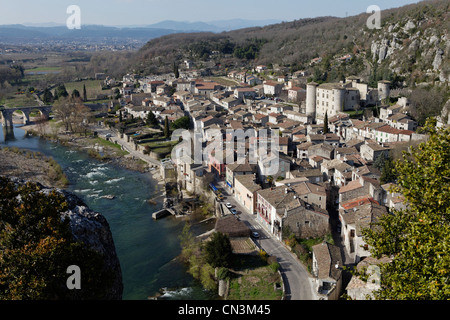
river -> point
(146, 248)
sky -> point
(144, 12)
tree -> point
(47, 96)
(37, 246)
(84, 93)
(182, 123)
(67, 111)
(418, 237)
(61, 91)
(166, 128)
(326, 129)
(75, 93)
(176, 70)
(151, 119)
(218, 250)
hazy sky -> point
(141, 12)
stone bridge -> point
(7, 113)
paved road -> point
(297, 280)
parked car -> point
(234, 211)
(220, 197)
(255, 235)
(228, 205)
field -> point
(254, 281)
(18, 100)
(93, 88)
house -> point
(245, 191)
(272, 88)
(260, 119)
(313, 175)
(353, 222)
(260, 68)
(230, 102)
(372, 150)
(278, 167)
(361, 187)
(280, 206)
(296, 94)
(342, 174)
(305, 221)
(327, 263)
(311, 193)
(386, 134)
(247, 93)
(323, 150)
(359, 289)
(237, 169)
(393, 200)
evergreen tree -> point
(151, 119)
(47, 96)
(84, 93)
(326, 129)
(75, 93)
(166, 128)
(218, 251)
(418, 237)
(176, 70)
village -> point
(336, 142)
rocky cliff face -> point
(418, 45)
(92, 229)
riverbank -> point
(96, 147)
(32, 166)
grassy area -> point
(255, 280)
(109, 144)
(18, 100)
(43, 69)
(93, 88)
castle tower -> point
(339, 100)
(384, 90)
(311, 100)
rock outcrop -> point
(92, 229)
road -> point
(297, 280)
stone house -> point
(353, 222)
(361, 187)
(327, 265)
(359, 289)
(281, 206)
(305, 221)
(372, 150)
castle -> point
(333, 98)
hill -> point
(412, 46)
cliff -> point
(82, 237)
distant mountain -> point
(411, 46)
(211, 26)
(38, 32)
(20, 34)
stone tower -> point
(384, 90)
(311, 100)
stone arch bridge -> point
(7, 113)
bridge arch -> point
(7, 113)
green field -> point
(93, 88)
(18, 100)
